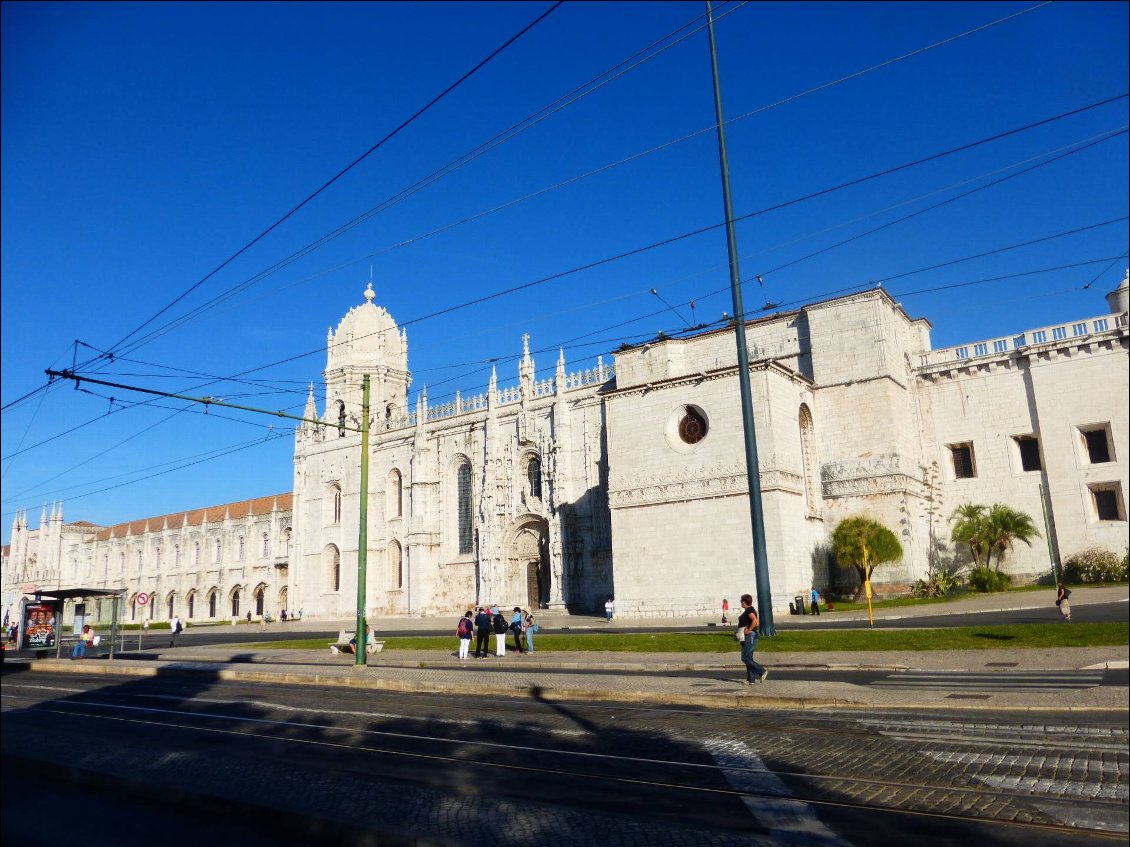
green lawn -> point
(1052, 634)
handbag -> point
(739, 634)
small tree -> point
(971, 527)
(1004, 526)
(864, 544)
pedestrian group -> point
(488, 620)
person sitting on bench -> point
(351, 647)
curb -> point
(735, 701)
(717, 701)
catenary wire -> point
(396, 198)
(339, 174)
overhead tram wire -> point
(275, 436)
(1083, 146)
(339, 174)
(457, 163)
(563, 102)
(710, 228)
(205, 455)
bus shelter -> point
(41, 617)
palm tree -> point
(864, 544)
(1004, 526)
(971, 527)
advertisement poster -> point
(39, 626)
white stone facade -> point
(630, 480)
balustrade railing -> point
(1009, 343)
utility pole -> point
(363, 530)
(753, 470)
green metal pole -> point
(753, 471)
(363, 529)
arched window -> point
(242, 548)
(395, 566)
(287, 533)
(235, 602)
(169, 603)
(808, 461)
(219, 549)
(331, 562)
(463, 507)
(191, 601)
(395, 494)
(333, 503)
(212, 603)
(260, 596)
(266, 545)
(533, 476)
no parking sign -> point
(142, 599)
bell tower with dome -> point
(367, 341)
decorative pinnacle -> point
(369, 295)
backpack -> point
(180, 626)
(1066, 592)
(464, 630)
(499, 625)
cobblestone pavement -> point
(465, 766)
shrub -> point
(1095, 565)
(987, 580)
(936, 584)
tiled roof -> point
(196, 517)
(80, 523)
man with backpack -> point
(175, 628)
(482, 633)
(465, 630)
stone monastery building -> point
(628, 479)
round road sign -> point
(142, 599)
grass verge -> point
(1049, 635)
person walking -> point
(482, 634)
(500, 627)
(85, 639)
(747, 634)
(516, 628)
(815, 601)
(529, 627)
(1062, 595)
(725, 610)
(465, 630)
(175, 628)
(609, 608)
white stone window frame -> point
(951, 448)
(394, 495)
(1083, 451)
(671, 428)
(459, 461)
(395, 558)
(1017, 455)
(1113, 486)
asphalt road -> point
(328, 765)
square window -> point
(1106, 498)
(1039, 336)
(1101, 325)
(1079, 329)
(963, 465)
(1000, 346)
(1029, 447)
(980, 349)
(1096, 443)
(1059, 333)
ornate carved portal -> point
(529, 563)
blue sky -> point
(143, 144)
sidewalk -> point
(632, 678)
(670, 678)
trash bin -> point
(798, 601)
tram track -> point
(272, 730)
